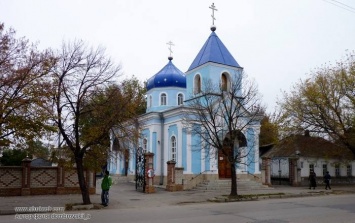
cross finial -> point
(213, 9)
(170, 44)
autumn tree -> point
(24, 89)
(221, 116)
(87, 103)
(37, 148)
(269, 132)
(123, 101)
(324, 104)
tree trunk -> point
(82, 181)
(234, 180)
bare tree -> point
(221, 115)
(79, 75)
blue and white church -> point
(162, 131)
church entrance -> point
(237, 140)
(224, 168)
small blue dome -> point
(169, 76)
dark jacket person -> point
(327, 178)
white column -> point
(188, 153)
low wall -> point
(26, 180)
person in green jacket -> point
(105, 186)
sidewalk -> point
(123, 195)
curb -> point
(273, 196)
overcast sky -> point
(278, 42)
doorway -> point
(224, 167)
(232, 144)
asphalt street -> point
(275, 204)
(332, 208)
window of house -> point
(150, 101)
(325, 169)
(337, 170)
(145, 145)
(173, 148)
(197, 84)
(349, 171)
(311, 167)
(163, 99)
(180, 99)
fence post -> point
(266, 171)
(26, 177)
(60, 179)
(170, 185)
(293, 172)
(149, 175)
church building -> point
(162, 131)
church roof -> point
(214, 51)
(168, 76)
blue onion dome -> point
(169, 76)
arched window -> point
(163, 99)
(150, 101)
(180, 99)
(173, 148)
(145, 145)
(116, 145)
(197, 84)
(224, 82)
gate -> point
(140, 170)
(280, 171)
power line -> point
(341, 5)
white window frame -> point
(180, 99)
(145, 145)
(173, 148)
(349, 171)
(163, 99)
(337, 170)
(197, 84)
(325, 168)
(225, 84)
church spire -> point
(213, 27)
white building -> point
(292, 159)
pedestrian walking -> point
(312, 180)
(327, 178)
(105, 186)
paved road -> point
(330, 208)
